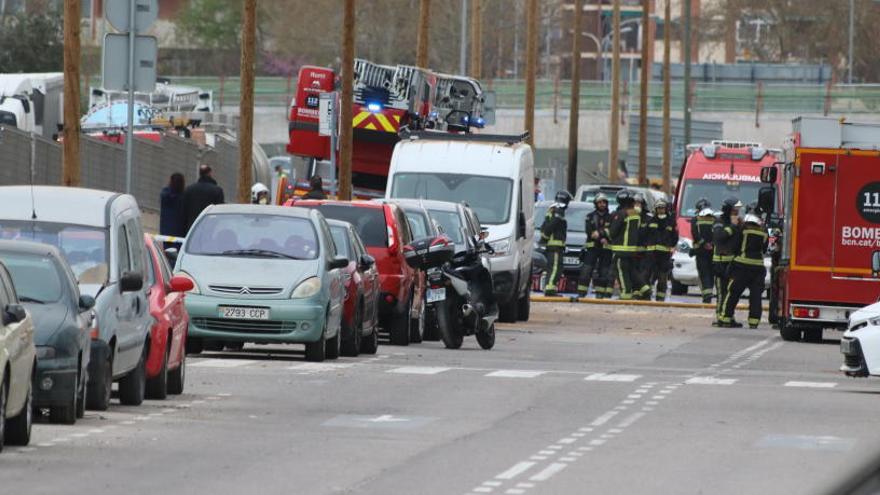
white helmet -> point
(258, 189)
(752, 218)
(706, 212)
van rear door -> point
(856, 211)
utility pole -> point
(615, 96)
(246, 112)
(687, 72)
(643, 97)
(70, 174)
(345, 103)
(476, 39)
(531, 66)
(574, 107)
(422, 42)
(462, 48)
(849, 72)
(667, 79)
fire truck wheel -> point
(789, 333)
(813, 335)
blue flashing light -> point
(374, 107)
(480, 122)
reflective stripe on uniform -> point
(721, 258)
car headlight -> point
(501, 246)
(307, 288)
(45, 352)
(684, 245)
(195, 289)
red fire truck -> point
(830, 225)
(386, 98)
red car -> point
(166, 361)
(384, 229)
(360, 313)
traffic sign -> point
(118, 14)
(115, 62)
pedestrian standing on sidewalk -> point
(554, 231)
(724, 239)
(201, 195)
(747, 271)
(171, 222)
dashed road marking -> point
(612, 377)
(710, 380)
(221, 363)
(515, 374)
(320, 367)
(601, 420)
(419, 370)
(549, 471)
(811, 384)
(516, 470)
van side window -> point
(7, 293)
(123, 261)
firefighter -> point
(701, 233)
(259, 194)
(724, 240)
(553, 234)
(596, 254)
(642, 259)
(623, 230)
(661, 239)
(747, 271)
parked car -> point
(264, 274)
(17, 362)
(385, 230)
(860, 344)
(495, 176)
(360, 315)
(575, 239)
(166, 360)
(102, 240)
(63, 320)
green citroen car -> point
(263, 274)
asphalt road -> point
(582, 399)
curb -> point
(618, 302)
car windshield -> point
(254, 235)
(369, 222)
(450, 222)
(340, 238)
(716, 192)
(36, 277)
(575, 216)
(85, 248)
(489, 197)
(418, 223)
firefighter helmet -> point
(563, 197)
(706, 212)
(258, 190)
(702, 204)
(752, 218)
(625, 197)
(661, 203)
(600, 197)
(729, 204)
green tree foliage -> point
(31, 43)
(211, 23)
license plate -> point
(846, 346)
(435, 295)
(571, 260)
(244, 313)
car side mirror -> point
(769, 175)
(337, 263)
(171, 255)
(875, 263)
(86, 302)
(14, 313)
(367, 262)
(521, 226)
(767, 199)
(131, 282)
(180, 284)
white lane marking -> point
(525, 485)
(492, 483)
(585, 429)
(515, 470)
(546, 452)
(634, 396)
(629, 420)
(222, 363)
(567, 459)
(515, 374)
(585, 449)
(710, 380)
(515, 491)
(128, 422)
(615, 430)
(811, 384)
(224, 394)
(538, 458)
(597, 442)
(555, 447)
(601, 420)
(419, 370)
(318, 367)
(45, 444)
(96, 430)
(79, 435)
(548, 472)
(612, 377)
(483, 489)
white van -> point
(495, 176)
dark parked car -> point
(63, 319)
(360, 313)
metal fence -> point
(596, 95)
(102, 164)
